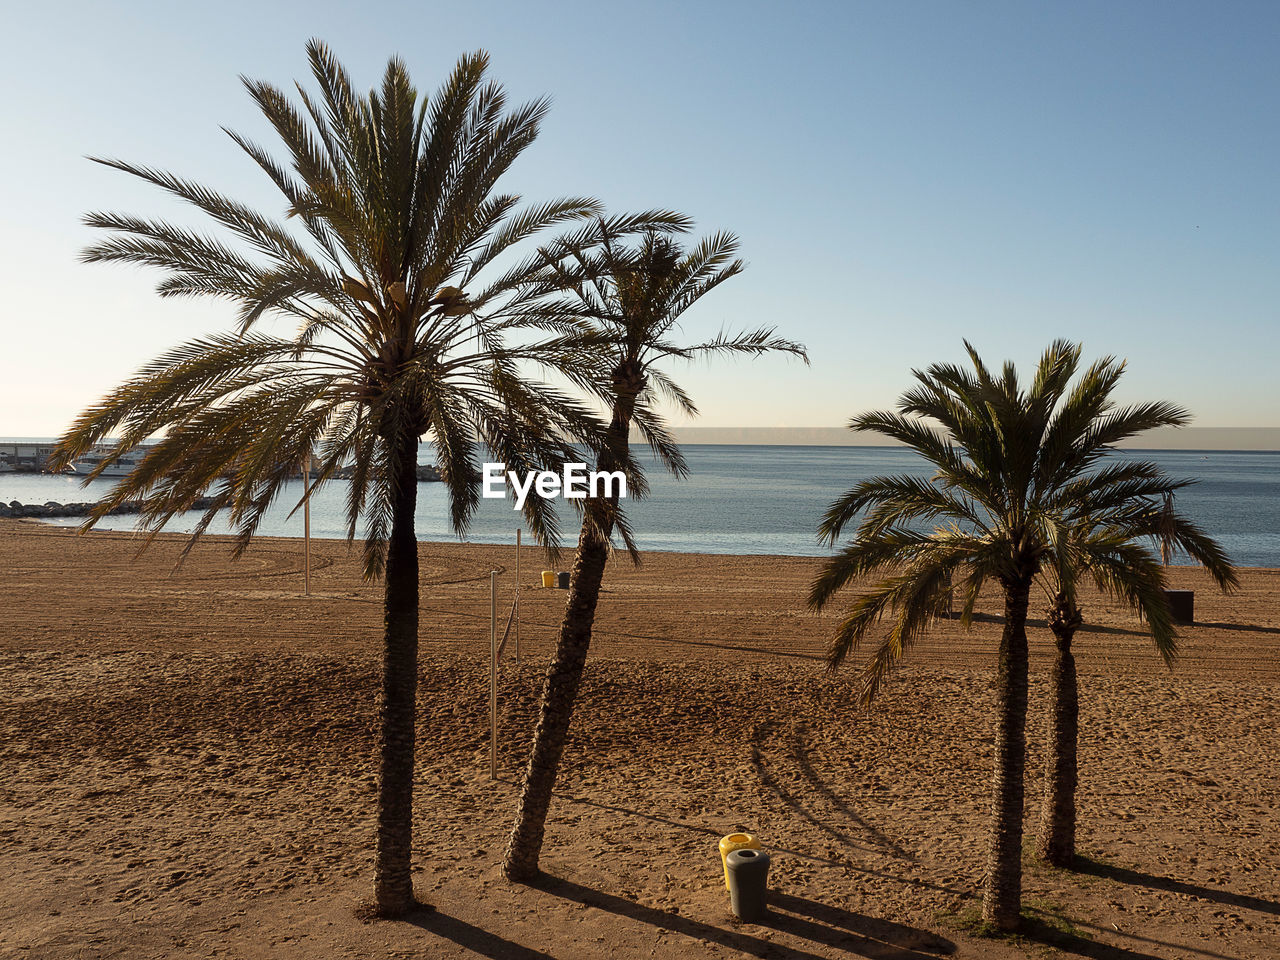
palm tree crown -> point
(630, 282)
(1019, 474)
(1113, 549)
(401, 329)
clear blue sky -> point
(902, 175)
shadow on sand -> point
(809, 855)
(1040, 623)
(1097, 868)
(1243, 627)
(471, 937)
(853, 933)
(798, 753)
(1039, 931)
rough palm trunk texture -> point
(393, 880)
(559, 693)
(1002, 892)
(1058, 815)
(560, 689)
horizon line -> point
(1161, 438)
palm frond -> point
(1021, 490)
(387, 264)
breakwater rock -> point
(52, 509)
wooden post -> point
(493, 674)
(306, 523)
(517, 594)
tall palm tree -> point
(406, 328)
(633, 295)
(1106, 537)
(1011, 462)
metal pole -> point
(306, 522)
(493, 674)
(517, 594)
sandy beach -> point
(189, 767)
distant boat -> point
(89, 462)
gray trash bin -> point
(562, 580)
(748, 884)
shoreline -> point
(528, 544)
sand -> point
(188, 770)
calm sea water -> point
(762, 500)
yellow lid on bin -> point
(735, 841)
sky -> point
(902, 175)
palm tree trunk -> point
(560, 688)
(558, 696)
(1058, 815)
(393, 881)
(1002, 889)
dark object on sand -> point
(1182, 604)
(748, 884)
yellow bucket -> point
(549, 581)
(735, 841)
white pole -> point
(306, 522)
(517, 594)
(493, 674)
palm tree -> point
(633, 295)
(406, 329)
(1011, 462)
(1106, 537)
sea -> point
(753, 500)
